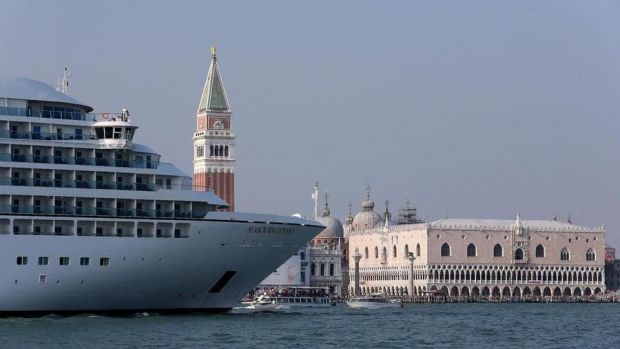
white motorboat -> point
(374, 301)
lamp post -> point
(411, 258)
(357, 257)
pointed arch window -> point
(564, 254)
(394, 251)
(498, 251)
(322, 269)
(376, 252)
(519, 254)
(406, 250)
(471, 250)
(540, 251)
(590, 256)
(366, 253)
(312, 269)
(445, 250)
(417, 250)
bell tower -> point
(214, 140)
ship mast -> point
(63, 84)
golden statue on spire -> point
(212, 51)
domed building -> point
(333, 227)
(328, 254)
(367, 218)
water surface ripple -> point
(416, 325)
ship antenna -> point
(63, 84)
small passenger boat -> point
(293, 297)
(374, 301)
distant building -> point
(610, 254)
(612, 275)
(612, 269)
(475, 257)
(214, 139)
(328, 259)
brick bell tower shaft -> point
(214, 139)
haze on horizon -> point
(476, 109)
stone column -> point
(411, 258)
(357, 258)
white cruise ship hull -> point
(224, 257)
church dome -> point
(368, 218)
(333, 227)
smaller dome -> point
(368, 205)
(333, 228)
(368, 218)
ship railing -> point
(75, 183)
(123, 117)
(64, 115)
(78, 160)
(96, 184)
(48, 114)
(38, 135)
(100, 211)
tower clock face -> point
(218, 123)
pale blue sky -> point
(469, 108)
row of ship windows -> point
(58, 230)
(80, 158)
(121, 209)
(59, 181)
(23, 260)
(37, 133)
(48, 112)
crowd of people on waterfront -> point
(603, 298)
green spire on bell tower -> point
(213, 97)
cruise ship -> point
(92, 222)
